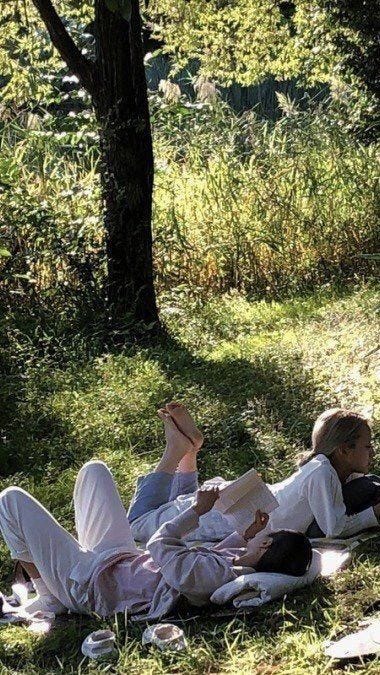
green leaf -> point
(4, 253)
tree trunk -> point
(121, 105)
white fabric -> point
(348, 542)
(33, 535)
(65, 564)
(354, 645)
(150, 583)
(314, 491)
(195, 572)
(213, 526)
(253, 590)
(100, 516)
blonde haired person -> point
(349, 431)
(324, 497)
(336, 427)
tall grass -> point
(51, 238)
(264, 208)
(267, 209)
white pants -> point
(65, 563)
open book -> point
(243, 497)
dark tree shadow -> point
(262, 395)
(267, 406)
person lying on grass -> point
(324, 497)
(104, 572)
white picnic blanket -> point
(253, 590)
(347, 542)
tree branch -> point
(84, 68)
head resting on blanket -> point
(283, 552)
(344, 436)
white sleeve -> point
(195, 572)
(324, 493)
(234, 540)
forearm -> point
(330, 513)
(352, 524)
(193, 572)
(167, 541)
(234, 540)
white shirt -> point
(150, 582)
(315, 491)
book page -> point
(244, 511)
(241, 503)
(241, 486)
(250, 484)
(230, 493)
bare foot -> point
(177, 444)
(185, 423)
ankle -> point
(167, 464)
(188, 463)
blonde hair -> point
(333, 428)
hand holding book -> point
(243, 498)
(259, 524)
(206, 498)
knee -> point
(93, 468)
(12, 495)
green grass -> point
(268, 209)
(255, 376)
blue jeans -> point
(159, 488)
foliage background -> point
(261, 229)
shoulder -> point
(319, 468)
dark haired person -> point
(103, 571)
(282, 552)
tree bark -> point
(121, 105)
(66, 46)
(117, 85)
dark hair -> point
(289, 553)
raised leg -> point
(100, 516)
(155, 489)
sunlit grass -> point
(255, 375)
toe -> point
(173, 405)
(167, 420)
